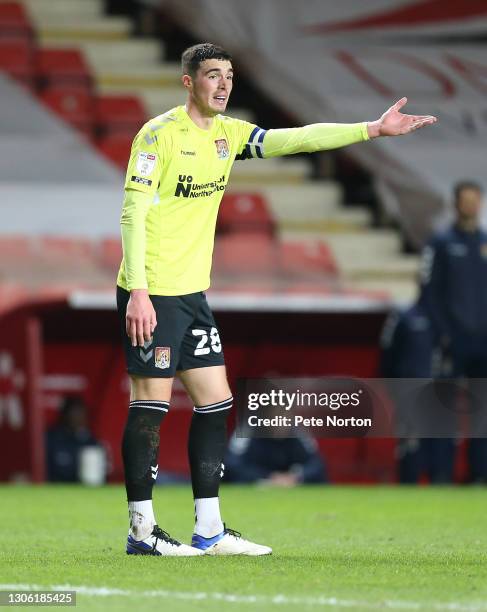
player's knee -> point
(146, 388)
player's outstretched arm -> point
(325, 136)
(395, 123)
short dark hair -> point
(193, 56)
(468, 184)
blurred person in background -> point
(408, 351)
(280, 462)
(66, 440)
(178, 170)
(454, 269)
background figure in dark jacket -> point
(408, 351)
(455, 284)
(65, 440)
(274, 461)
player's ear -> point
(187, 81)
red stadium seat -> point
(116, 148)
(14, 21)
(245, 212)
(304, 258)
(74, 104)
(110, 253)
(11, 295)
(59, 248)
(247, 254)
(62, 67)
(123, 115)
(16, 247)
(17, 60)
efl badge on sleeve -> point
(146, 163)
(163, 357)
(222, 148)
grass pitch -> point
(364, 548)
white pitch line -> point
(319, 601)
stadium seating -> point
(55, 247)
(17, 60)
(245, 254)
(14, 21)
(73, 103)
(116, 147)
(110, 253)
(305, 258)
(62, 67)
(120, 115)
(14, 247)
(245, 212)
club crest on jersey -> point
(222, 148)
(162, 357)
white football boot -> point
(160, 543)
(229, 542)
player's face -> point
(469, 203)
(212, 85)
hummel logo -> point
(154, 471)
(188, 152)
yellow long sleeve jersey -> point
(176, 178)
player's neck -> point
(204, 122)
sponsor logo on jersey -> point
(142, 181)
(187, 188)
(146, 163)
(162, 357)
(222, 148)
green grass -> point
(364, 546)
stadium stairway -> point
(121, 67)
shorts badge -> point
(222, 148)
(163, 357)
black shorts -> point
(185, 337)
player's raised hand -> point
(395, 123)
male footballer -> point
(177, 174)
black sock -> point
(206, 447)
(140, 447)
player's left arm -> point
(323, 136)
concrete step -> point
(117, 55)
(151, 75)
(307, 200)
(356, 251)
(402, 291)
(107, 28)
(339, 221)
(269, 171)
(399, 267)
(67, 9)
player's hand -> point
(395, 123)
(141, 317)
